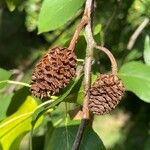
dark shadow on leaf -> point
(18, 98)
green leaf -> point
(55, 13)
(97, 29)
(80, 48)
(11, 4)
(147, 144)
(4, 75)
(77, 93)
(133, 55)
(17, 125)
(4, 104)
(136, 78)
(60, 138)
(41, 109)
(18, 99)
(147, 50)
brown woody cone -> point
(105, 94)
(53, 72)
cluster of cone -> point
(55, 70)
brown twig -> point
(83, 22)
(87, 74)
(91, 44)
(136, 33)
(111, 57)
(79, 135)
(88, 59)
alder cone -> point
(53, 72)
(105, 94)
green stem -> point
(15, 82)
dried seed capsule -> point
(105, 94)
(53, 72)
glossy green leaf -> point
(4, 75)
(17, 125)
(136, 78)
(147, 50)
(4, 104)
(55, 13)
(60, 138)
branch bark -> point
(137, 32)
(114, 67)
(88, 59)
(83, 22)
(87, 74)
(91, 44)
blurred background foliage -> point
(128, 126)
